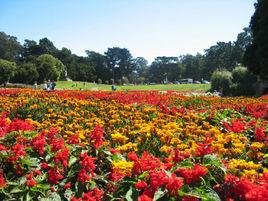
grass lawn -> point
(92, 86)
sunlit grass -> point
(92, 86)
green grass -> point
(91, 86)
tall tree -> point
(47, 47)
(243, 40)
(30, 50)
(49, 67)
(9, 47)
(256, 56)
(7, 70)
(140, 66)
(98, 61)
(119, 61)
(220, 56)
(191, 66)
(26, 73)
(164, 69)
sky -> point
(148, 28)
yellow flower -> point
(127, 147)
(119, 137)
(123, 167)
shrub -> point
(125, 80)
(242, 82)
(221, 81)
(26, 73)
(99, 81)
(7, 70)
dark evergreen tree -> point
(256, 56)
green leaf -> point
(28, 197)
(68, 194)
(159, 194)
(16, 190)
(129, 194)
(72, 161)
(206, 194)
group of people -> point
(49, 85)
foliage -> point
(242, 81)
(7, 70)
(26, 73)
(221, 81)
(256, 58)
(9, 47)
(119, 62)
(49, 67)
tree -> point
(98, 61)
(7, 70)
(30, 50)
(26, 73)
(119, 62)
(49, 67)
(242, 81)
(9, 47)
(221, 81)
(46, 46)
(191, 66)
(164, 69)
(256, 56)
(220, 56)
(243, 40)
(140, 66)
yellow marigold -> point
(166, 149)
(250, 174)
(127, 147)
(243, 165)
(255, 146)
(119, 137)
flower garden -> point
(138, 145)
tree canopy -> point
(256, 56)
(41, 60)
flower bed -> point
(141, 145)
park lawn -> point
(92, 86)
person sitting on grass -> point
(113, 87)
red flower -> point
(97, 136)
(157, 179)
(189, 198)
(173, 184)
(237, 126)
(67, 185)
(260, 134)
(39, 143)
(18, 124)
(62, 157)
(83, 176)
(2, 147)
(18, 151)
(87, 162)
(52, 132)
(144, 197)
(57, 144)
(94, 195)
(44, 166)
(192, 175)
(54, 175)
(141, 185)
(73, 139)
(30, 181)
(2, 181)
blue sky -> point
(148, 28)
